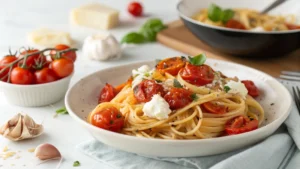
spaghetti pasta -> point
(194, 120)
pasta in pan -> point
(179, 99)
(246, 19)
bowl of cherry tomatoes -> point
(37, 77)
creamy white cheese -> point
(157, 108)
(144, 72)
(258, 29)
(101, 47)
(237, 88)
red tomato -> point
(21, 76)
(107, 93)
(144, 91)
(234, 24)
(214, 108)
(62, 67)
(7, 60)
(32, 61)
(252, 89)
(292, 26)
(240, 124)
(44, 75)
(135, 8)
(3, 75)
(178, 98)
(68, 55)
(197, 75)
(109, 119)
(171, 65)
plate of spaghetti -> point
(179, 106)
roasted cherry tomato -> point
(178, 98)
(171, 65)
(107, 93)
(44, 75)
(240, 124)
(292, 26)
(62, 67)
(109, 119)
(144, 91)
(135, 9)
(234, 24)
(214, 108)
(21, 76)
(197, 75)
(252, 89)
(68, 55)
(32, 61)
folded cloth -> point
(277, 151)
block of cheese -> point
(95, 15)
(49, 38)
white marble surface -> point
(17, 18)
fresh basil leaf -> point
(226, 89)
(62, 111)
(151, 28)
(177, 84)
(227, 15)
(197, 60)
(149, 34)
(76, 164)
(134, 38)
(194, 97)
(214, 12)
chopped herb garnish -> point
(226, 89)
(62, 111)
(76, 164)
(177, 84)
(194, 97)
(147, 74)
(158, 81)
(251, 118)
(272, 104)
(197, 60)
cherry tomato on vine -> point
(135, 9)
(6, 60)
(21, 76)
(109, 119)
(44, 75)
(3, 75)
(68, 55)
(32, 61)
(62, 67)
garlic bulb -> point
(47, 152)
(21, 127)
(101, 47)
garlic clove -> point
(21, 127)
(46, 152)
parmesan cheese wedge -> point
(95, 15)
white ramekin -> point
(35, 95)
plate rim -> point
(267, 127)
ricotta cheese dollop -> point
(101, 47)
(237, 88)
(143, 72)
(157, 108)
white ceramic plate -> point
(275, 99)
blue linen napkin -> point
(280, 150)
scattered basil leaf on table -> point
(177, 84)
(133, 37)
(147, 32)
(62, 111)
(197, 60)
(76, 164)
(215, 13)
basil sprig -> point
(147, 32)
(215, 13)
(197, 60)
